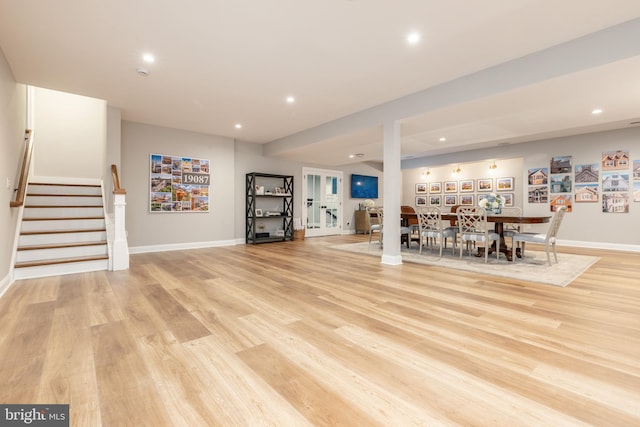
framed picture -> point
(450, 200)
(434, 200)
(421, 201)
(508, 199)
(435, 187)
(259, 212)
(466, 199)
(421, 188)
(451, 186)
(485, 184)
(466, 186)
(504, 184)
(615, 160)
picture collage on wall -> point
(563, 184)
(179, 184)
(464, 192)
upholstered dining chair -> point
(404, 231)
(411, 223)
(473, 225)
(511, 229)
(376, 216)
(453, 225)
(548, 238)
(431, 229)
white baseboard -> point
(5, 284)
(599, 245)
(183, 246)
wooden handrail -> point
(24, 172)
(116, 181)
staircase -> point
(63, 231)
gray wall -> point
(12, 126)
(587, 224)
(158, 231)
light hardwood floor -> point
(297, 333)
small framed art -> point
(504, 184)
(485, 184)
(451, 186)
(466, 199)
(450, 200)
(466, 186)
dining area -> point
(468, 231)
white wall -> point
(113, 152)
(587, 224)
(469, 171)
(70, 134)
(161, 231)
(12, 126)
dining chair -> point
(431, 229)
(453, 226)
(405, 232)
(412, 223)
(473, 225)
(549, 238)
(511, 229)
(376, 216)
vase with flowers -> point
(493, 203)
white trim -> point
(599, 245)
(64, 180)
(5, 284)
(183, 246)
(391, 259)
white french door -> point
(322, 202)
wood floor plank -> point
(128, 395)
(319, 404)
(179, 321)
(298, 333)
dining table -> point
(499, 221)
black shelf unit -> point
(278, 190)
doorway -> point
(322, 206)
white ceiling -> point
(223, 62)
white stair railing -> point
(119, 245)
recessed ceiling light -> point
(147, 57)
(413, 38)
(351, 156)
(597, 111)
(238, 125)
(290, 100)
(442, 139)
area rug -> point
(533, 268)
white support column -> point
(120, 245)
(392, 188)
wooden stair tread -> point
(91, 230)
(62, 245)
(65, 185)
(66, 218)
(60, 261)
(63, 206)
(62, 195)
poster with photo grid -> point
(178, 184)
